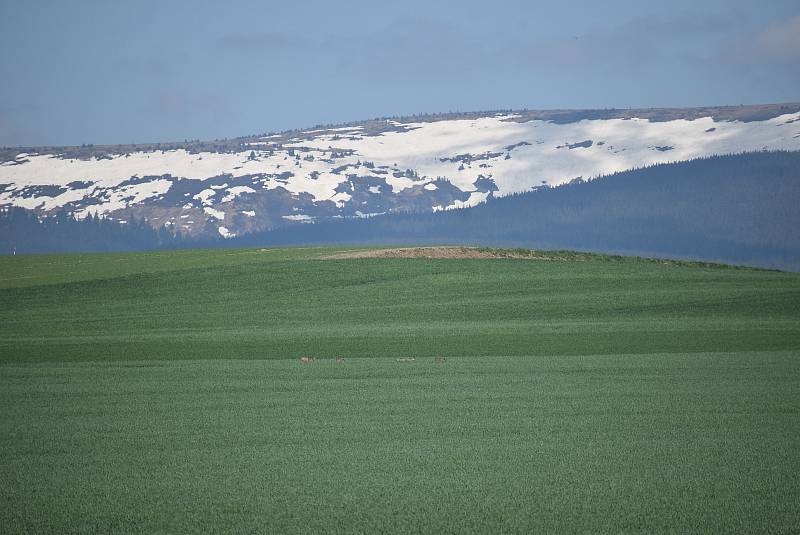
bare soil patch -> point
(461, 252)
(454, 252)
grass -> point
(162, 393)
(283, 304)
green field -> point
(162, 392)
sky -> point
(148, 71)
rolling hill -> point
(163, 392)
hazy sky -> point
(120, 72)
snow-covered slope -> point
(375, 167)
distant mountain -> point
(738, 209)
(227, 188)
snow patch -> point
(205, 196)
(236, 191)
(218, 214)
(362, 215)
(476, 197)
(298, 217)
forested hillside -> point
(22, 231)
(737, 208)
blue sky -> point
(121, 72)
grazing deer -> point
(440, 360)
(306, 360)
(407, 359)
(339, 360)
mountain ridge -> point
(422, 164)
(727, 112)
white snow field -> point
(516, 156)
